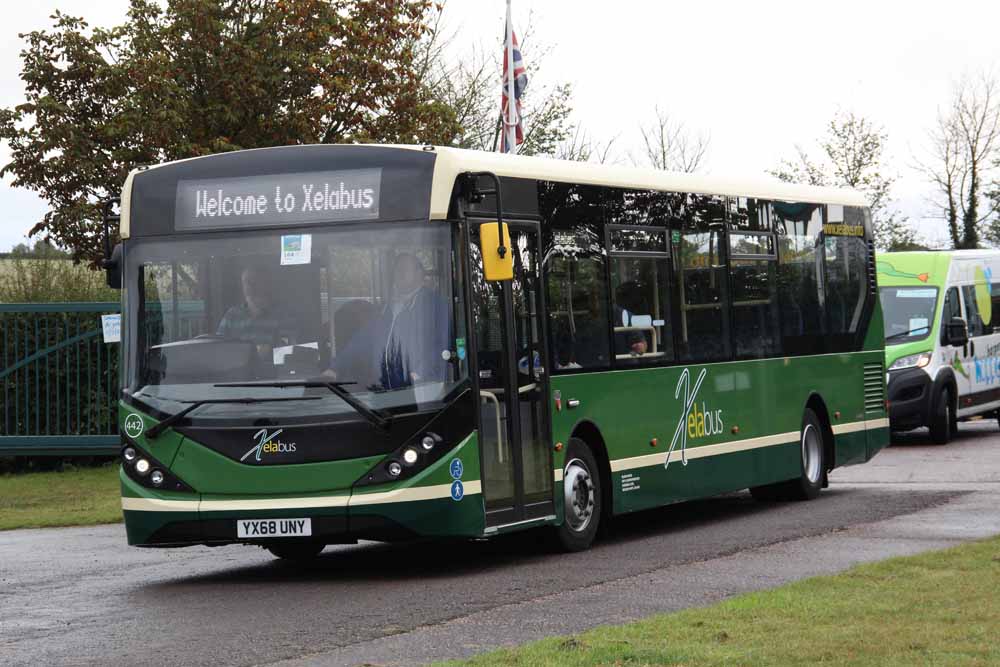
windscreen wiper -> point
(901, 334)
(377, 418)
(156, 430)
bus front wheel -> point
(295, 551)
(582, 498)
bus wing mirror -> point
(958, 332)
(113, 267)
(494, 242)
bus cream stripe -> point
(397, 496)
(157, 505)
(705, 450)
(416, 493)
(736, 446)
(273, 503)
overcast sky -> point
(758, 77)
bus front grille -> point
(874, 381)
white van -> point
(941, 312)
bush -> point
(28, 279)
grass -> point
(77, 497)
(939, 608)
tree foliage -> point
(196, 77)
(964, 151)
(854, 156)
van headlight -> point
(911, 361)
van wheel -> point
(295, 551)
(943, 419)
(582, 498)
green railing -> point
(58, 379)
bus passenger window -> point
(846, 276)
(575, 280)
(753, 270)
(702, 279)
(800, 283)
(639, 279)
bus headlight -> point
(410, 456)
(394, 468)
(156, 478)
(428, 443)
(911, 361)
(129, 454)
(142, 466)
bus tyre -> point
(582, 498)
(943, 418)
(813, 469)
(295, 551)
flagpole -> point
(511, 128)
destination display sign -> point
(277, 199)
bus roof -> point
(454, 161)
(451, 162)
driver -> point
(260, 318)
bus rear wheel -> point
(295, 551)
(582, 498)
(812, 468)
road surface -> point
(81, 596)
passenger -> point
(260, 318)
(627, 342)
(409, 334)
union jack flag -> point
(518, 79)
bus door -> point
(509, 364)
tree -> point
(853, 156)
(196, 77)
(671, 146)
(964, 150)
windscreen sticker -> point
(918, 325)
(296, 249)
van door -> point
(984, 340)
(957, 358)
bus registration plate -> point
(252, 528)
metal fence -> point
(59, 380)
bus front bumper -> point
(177, 520)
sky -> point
(757, 77)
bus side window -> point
(639, 287)
(575, 275)
(846, 278)
(753, 269)
(800, 278)
(702, 280)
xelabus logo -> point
(268, 443)
(695, 421)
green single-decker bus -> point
(331, 343)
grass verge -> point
(78, 497)
(939, 608)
